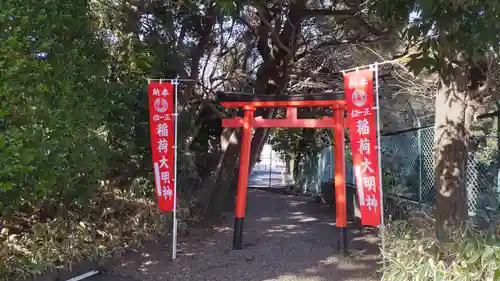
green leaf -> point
(475, 257)
(469, 249)
(421, 273)
(6, 186)
(439, 273)
(496, 275)
(487, 255)
(416, 66)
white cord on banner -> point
(370, 66)
(176, 79)
(174, 228)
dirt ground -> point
(286, 238)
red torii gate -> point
(249, 103)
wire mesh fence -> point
(408, 163)
(317, 168)
(408, 169)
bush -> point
(412, 252)
(51, 113)
(113, 220)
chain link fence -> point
(408, 169)
(317, 168)
(408, 164)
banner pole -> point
(379, 152)
(174, 227)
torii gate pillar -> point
(241, 195)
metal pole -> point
(174, 228)
(84, 276)
(420, 153)
(379, 148)
(498, 154)
(420, 159)
(270, 164)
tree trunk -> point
(225, 186)
(225, 180)
(229, 136)
(452, 127)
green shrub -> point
(51, 113)
(411, 252)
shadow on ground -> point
(287, 238)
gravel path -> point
(287, 238)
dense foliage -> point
(52, 93)
(73, 136)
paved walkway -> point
(287, 237)
(273, 178)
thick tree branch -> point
(325, 12)
(206, 34)
(263, 45)
(371, 29)
(274, 36)
(335, 42)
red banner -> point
(161, 120)
(363, 136)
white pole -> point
(84, 276)
(379, 149)
(174, 228)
